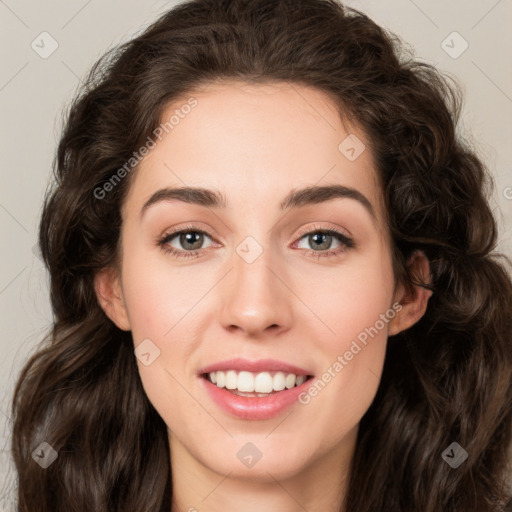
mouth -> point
(254, 389)
(255, 384)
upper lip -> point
(257, 366)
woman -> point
(337, 335)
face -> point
(260, 287)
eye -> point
(322, 239)
(189, 242)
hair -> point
(448, 378)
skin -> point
(255, 143)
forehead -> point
(256, 142)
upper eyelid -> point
(172, 234)
(315, 228)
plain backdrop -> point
(35, 87)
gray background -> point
(34, 91)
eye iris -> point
(323, 235)
(188, 237)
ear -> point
(107, 286)
(413, 302)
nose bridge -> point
(254, 297)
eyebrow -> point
(296, 198)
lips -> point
(261, 365)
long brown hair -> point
(446, 379)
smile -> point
(260, 384)
(254, 390)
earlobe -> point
(413, 302)
(108, 290)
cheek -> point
(159, 303)
(161, 299)
(158, 296)
(352, 299)
(353, 341)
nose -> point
(256, 298)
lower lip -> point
(255, 408)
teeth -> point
(290, 381)
(260, 383)
(263, 383)
(279, 381)
(245, 382)
(231, 380)
(221, 379)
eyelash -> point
(348, 243)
